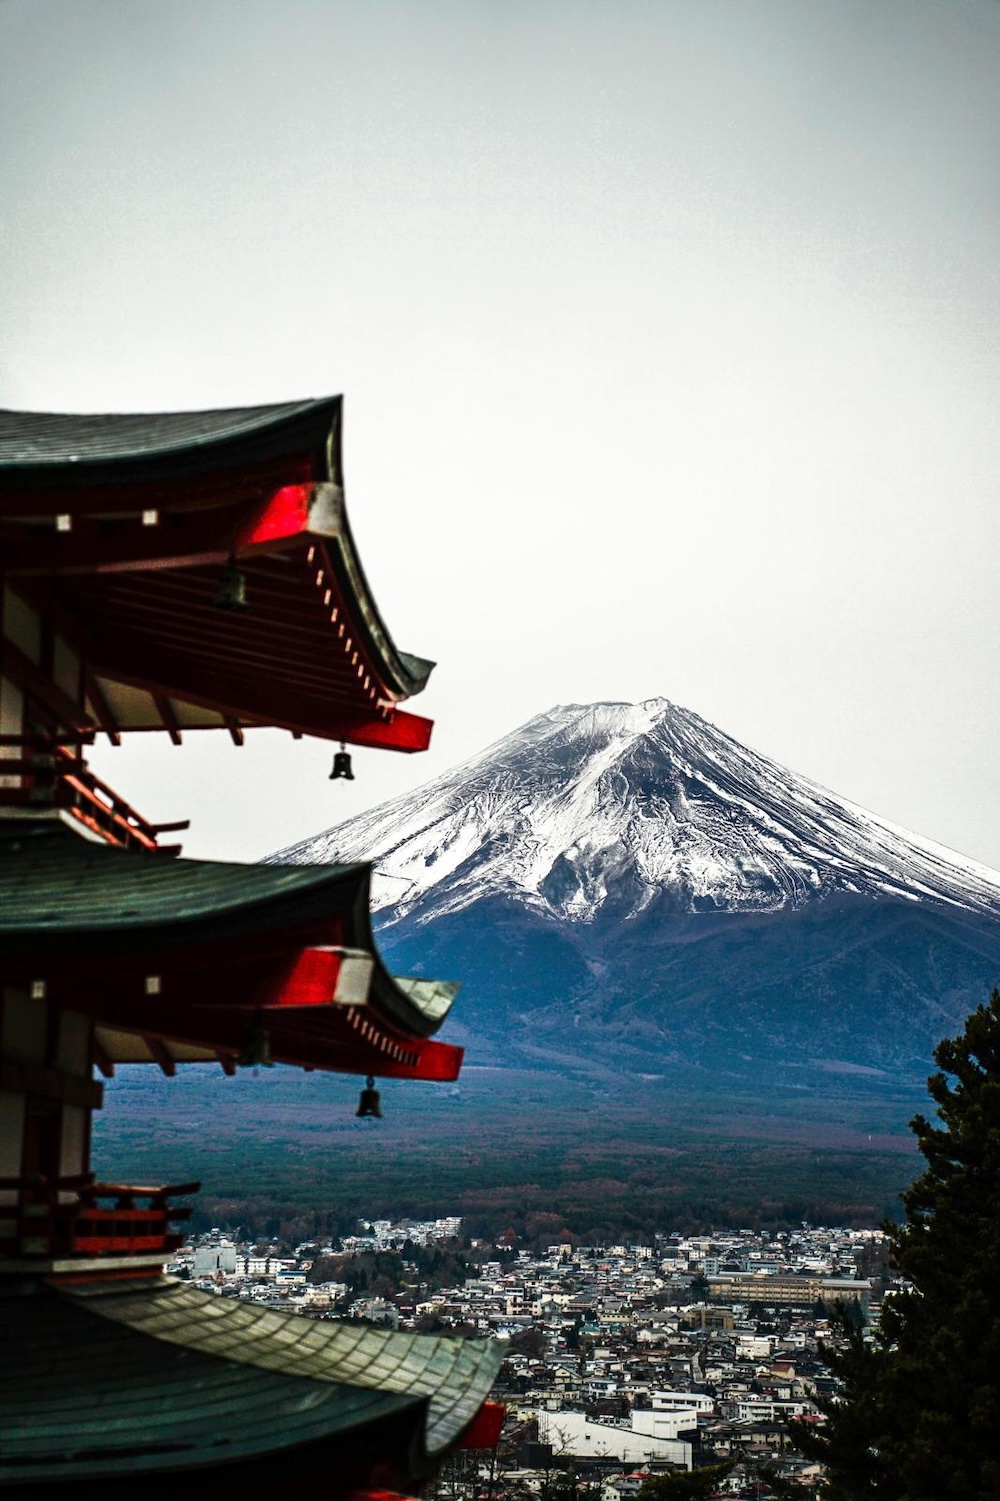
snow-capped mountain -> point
(624, 888)
(601, 808)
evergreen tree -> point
(918, 1417)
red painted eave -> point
(137, 600)
(154, 537)
(486, 1427)
(319, 1008)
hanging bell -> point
(256, 1049)
(341, 766)
(370, 1103)
(232, 593)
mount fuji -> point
(625, 889)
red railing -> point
(50, 773)
(52, 1217)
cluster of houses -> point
(621, 1361)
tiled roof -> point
(125, 1379)
(453, 1375)
(51, 440)
(53, 882)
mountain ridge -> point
(584, 797)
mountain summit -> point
(625, 887)
(596, 809)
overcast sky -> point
(667, 332)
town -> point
(622, 1362)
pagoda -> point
(172, 574)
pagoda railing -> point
(38, 772)
(55, 1217)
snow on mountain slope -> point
(600, 810)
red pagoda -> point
(174, 573)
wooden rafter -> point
(165, 1060)
(102, 708)
(319, 715)
(102, 1060)
(165, 709)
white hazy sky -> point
(667, 331)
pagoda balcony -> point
(60, 1217)
(39, 774)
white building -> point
(674, 1401)
(765, 1410)
(574, 1435)
(220, 1257)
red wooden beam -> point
(284, 517)
(401, 731)
(214, 1008)
(486, 1427)
(331, 1049)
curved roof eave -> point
(328, 520)
(38, 448)
(63, 897)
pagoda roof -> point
(75, 895)
(81, 448)
(178, 960)
(118, 528)
(146, 1377)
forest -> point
(534, 1154)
